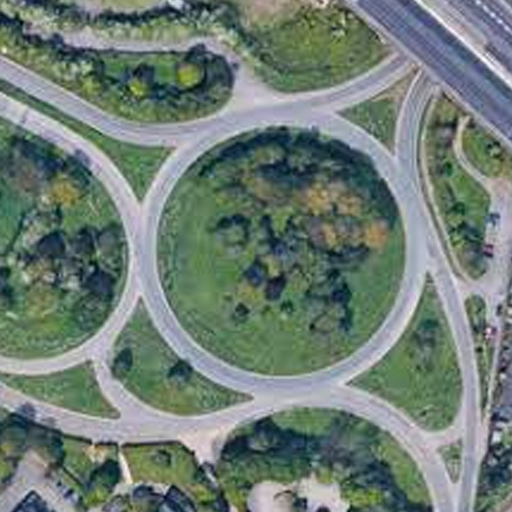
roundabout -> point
(250, 381)
(268, 246)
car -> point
(488, 250)
(493, 218)
(490, 332)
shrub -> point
(189, 75)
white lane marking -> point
(493, 15)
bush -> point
(123, 363)
(181, 373)
(189, 75)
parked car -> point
(488, 250)
(490, 332)
(493, 218)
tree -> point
(256, 273)
(7, 470)
(102, 482)
(346, 321)
(376, 234)
(63, 191)
(83, 244)
(180, 373)
(89, 311)
(52, 246)
(110, 244)
(100, 284)
(123, 363)
(49, 445)
(342, 294)
(275, 287)
(264, 437)
(189, 74)
(233, 231)
(13, 440)
(299, 504)
(240, 314)
(138, 87)
(6, 290)
(426, 337)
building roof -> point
(32, 502)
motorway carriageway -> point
(424, 39)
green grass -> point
(148, 380)
(146, 465)
(137, 163)
(377, 117)
(77, 462)
(428, 393)
(452, 457)
(408, 476)
(172, 464)
(486, 153)
(75, 389)
(476, 311)
(462, 202)
(13, 206)
(315, 48)
(271, 342)
(13, 203)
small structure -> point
(32, 502)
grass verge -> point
(420, 374)
(378, 116)
(463, 204)
(452, 457)
(75, 389)
(315, 48)
(476, 311)
(486, 153)
(156, 375)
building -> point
(32, 502)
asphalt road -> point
(249, 96)
(492, 19)
(449, 292)
(448, 60)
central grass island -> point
(281, 251)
